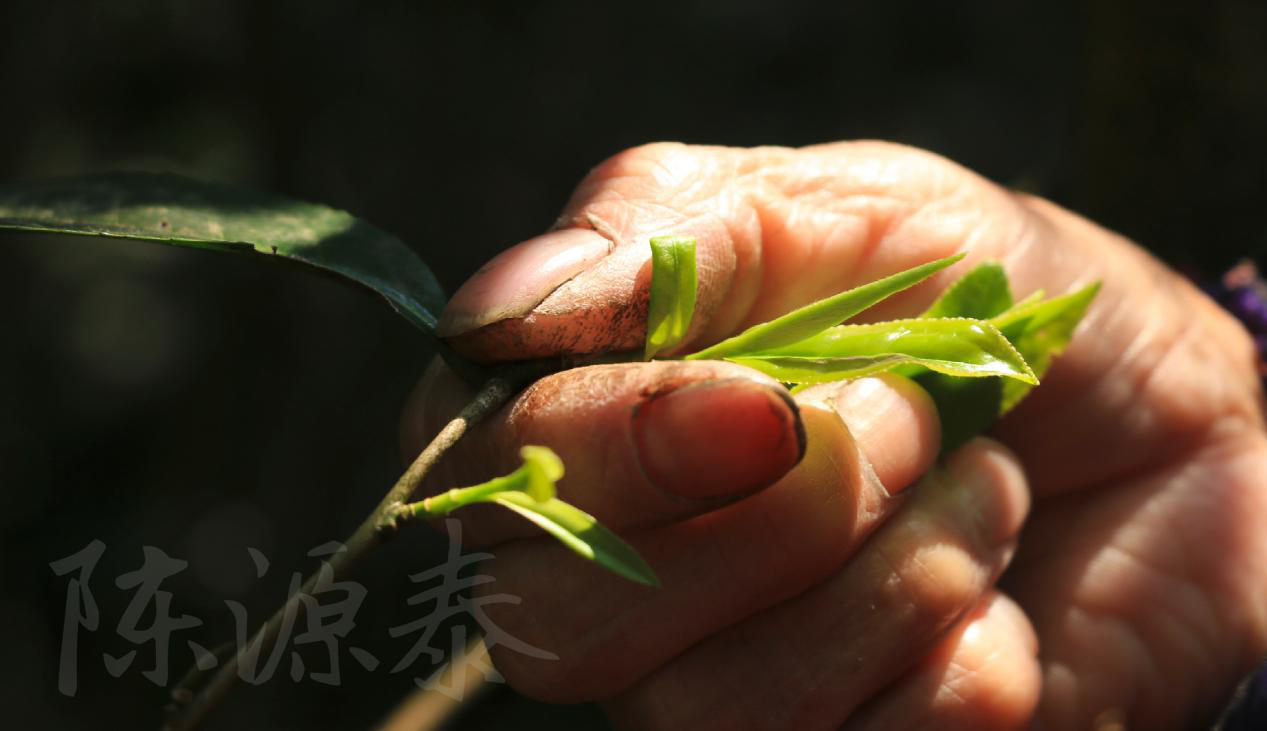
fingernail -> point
(718, 438)
(519, 278)
(894, 423)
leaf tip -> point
(673, 292)
(650, 579)
(937, 265)
(638, 572)
(544, 468)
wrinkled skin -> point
(805, 586)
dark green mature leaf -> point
(958, 346)
(673, 288)
(981, 293)
(175, 210)
(580, 532)
(817, 317)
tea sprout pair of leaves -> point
(530, 492)
(973, 332)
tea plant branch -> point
(425, 709)
(976, 351)
(373, 531)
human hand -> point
(832, 595)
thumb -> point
(775, 228)
(583, 287)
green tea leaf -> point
(966, 406)
(981, 293)
(1040, 332)
(954, 346)
(535, 477)
(543, 468)
(174, 210)
(817, 317)
(673, 289)
(530, 492)
(1032, 299)
(580, 532)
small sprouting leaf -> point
(954, 346)
(817, 317)
(966, 406)
(1033, 311)
(981, 293)
(1032, 299)
(529, 491)
(174, 210)
(580, 532)
(543, 468)
(1040, 332)
(673, 288)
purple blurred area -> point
(1242, 291)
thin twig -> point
(428, 709)
(376, 527)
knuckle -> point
(991, 691)
(991, 496)
(915, 161)
(933, 585)
(652, 173)
(641, 159)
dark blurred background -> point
(205, 404)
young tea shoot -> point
(973, 350)
(817, 316)
(972, 331)
(530, 492)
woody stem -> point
(186, 714)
